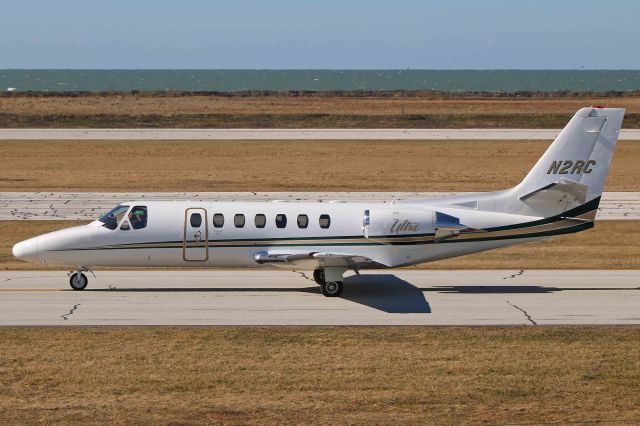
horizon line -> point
(318, 69)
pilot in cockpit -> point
(138, 217)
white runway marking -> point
(401, 297)
(90, 205)
(293, 134)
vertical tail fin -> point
(573, 170)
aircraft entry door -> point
(195, 245)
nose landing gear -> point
(78, 281)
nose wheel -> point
(78, 281)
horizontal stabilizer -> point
(559, 196)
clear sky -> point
(355, 34)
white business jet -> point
(560, 195)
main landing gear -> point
(78, 280)
(318, 276)
(329, 280)
(332, 288)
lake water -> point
(319, 80)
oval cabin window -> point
(325, 221)
(260, 221)
(281, 220)
(195, 220)
(218, 220)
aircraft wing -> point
(314, 259)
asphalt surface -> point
(296, 134)
(268, 297)
(90, 205)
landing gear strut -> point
(78, 281)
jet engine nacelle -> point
(406, 222)
(393, 222)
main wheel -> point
(78, 284)
(318, 276)
(332, 288)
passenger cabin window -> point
(195, 220)
(238, 220)
(218, 220)
(281, 220)
(260, 221)
(303, 221)
(138, 217)
(113, 217)
(325, 221)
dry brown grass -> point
(425, 111)
(172, 105)
(267, 375)
(282, 165)
(611, 245)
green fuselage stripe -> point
(361, 241)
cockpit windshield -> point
(113, 217)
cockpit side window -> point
(113, 216)
(138, 217)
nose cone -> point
(27, 250)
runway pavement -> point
(89, 205)
(267, 297)
(295, 134)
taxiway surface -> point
(266, 297)
(295, 134)
(90, 205)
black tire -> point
(332, 288)
(318, 276)
(81, 285)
